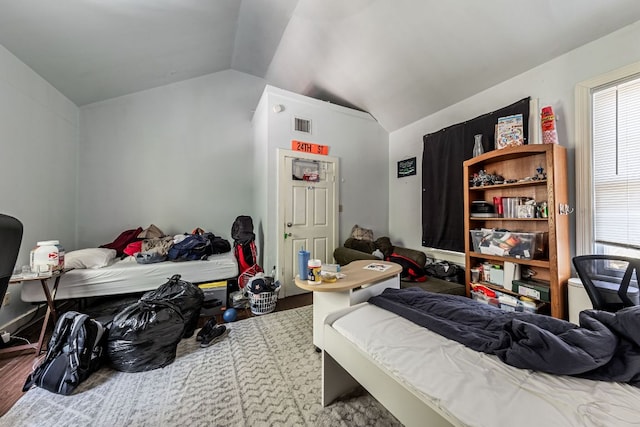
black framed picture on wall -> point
(407, 167)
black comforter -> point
(606, 346)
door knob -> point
(289, 224)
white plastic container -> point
(578, 299)
(47, 257)
(314, 276)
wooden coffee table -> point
(358, 286)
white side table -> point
(358, 286)
(50, 313)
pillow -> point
(366, 246)
(89, 258)
(361, 233)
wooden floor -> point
(16, 367)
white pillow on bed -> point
(89, 258)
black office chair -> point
(10, 239)
(610, 281)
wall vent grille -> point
(302, 125)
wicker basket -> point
(264, 302)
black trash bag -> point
(445, 270)
(187, 296)
(145, 336)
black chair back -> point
(10, 239)
(610, 281)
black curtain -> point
(442, 174)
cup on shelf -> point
(475, 275)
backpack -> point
(217, 245)
(76, 349)
(192, 247)
(411, 270)
(445, 270)
(242, 230)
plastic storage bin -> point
(480, 297)
(511, 303)
(525, 245)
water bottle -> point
(303, 260)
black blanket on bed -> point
(606, 346)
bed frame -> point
(127, 277)
(345, 366)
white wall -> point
(359, 142)
(178, 156)
(38, 146)
(261, 170)
(553, 83)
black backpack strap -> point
(57, 341)
(76, 340)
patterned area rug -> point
(265, 372)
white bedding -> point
(478, 389)
(127, 276)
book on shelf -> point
(509, 131)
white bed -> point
(127, 276)
(426, 379)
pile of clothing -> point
(152, 245)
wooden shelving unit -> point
(518, 163)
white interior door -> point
(308, 212)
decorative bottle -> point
(548, 122)
(477, 146)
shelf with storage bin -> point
(521, 164)
(500, 259)
(541, 307)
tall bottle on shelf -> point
(478, 149)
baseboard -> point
(20, 321)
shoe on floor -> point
(216, 334)
(206, 329)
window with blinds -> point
(616, 168)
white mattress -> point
(479, 389)
(127, 276)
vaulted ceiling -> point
(400, 60)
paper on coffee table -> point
(376, 266)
